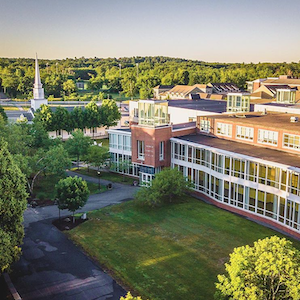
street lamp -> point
(99, 173)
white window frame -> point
(291, 146)
(247, 136)
(205, 126)
(161, 150)
(141, 154)
(268, 137)
(224, 129)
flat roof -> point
(183, 125)
(123, 129)
(273, 120)
(268, 154)
(204, 105)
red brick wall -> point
(251, 216)
(256, 85)
(214, 121)
(152, 138)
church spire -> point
(38, 91)
(37, 80)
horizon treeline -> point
(129, 76)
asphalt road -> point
(52, 267)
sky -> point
(207, 30)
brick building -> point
(245, 162)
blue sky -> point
(212, 30)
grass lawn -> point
(114, 177)
(105, 142)
(174, 252)
(45, 187)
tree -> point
(268, 270)
(69, 87)
(130, 297)
(77, 118)
(167, 186)
(13, 199)
(72, 193)
(92, 115)
(61, 120)
(53, 161)
(44, 115)
(110, 114)
(78, 145)
(3, 114)
(97, 156)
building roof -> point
(274, 88)
(200, 85)
(272, 120)
(182, 89)
(245, 149)
(280, 81)
(16, 114)
(183, 125)
(164, 87)
(204, 105)
(225, 87)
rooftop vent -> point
(294, 119)
(264, 112)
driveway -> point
(52, 267)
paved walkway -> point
(52, 267)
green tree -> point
(3, 114)
(72, 193)
(97, 156)
(69, 87)
(78, 145)
(92, 115)
(129, 84)
(53, 161)
(130, 297)
(268, 270)
(110, 114)
(61, 120)
(77, 118)
(13, 198)
(44, 115)
(168, 186)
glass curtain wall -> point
(261, 188)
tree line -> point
(91, 116)
(133, 76)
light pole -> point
(99, 173)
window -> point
(141, 149)
(113, 140)
(127, 143)
(205, 125)
(224, 129)
(291, 141)
(244, 133)
(161, 150)
(267, 137)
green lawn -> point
(173, 252)
(45, 187)
(114, 177)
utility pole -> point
(120, 67)
(137, 70)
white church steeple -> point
(38, 91)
